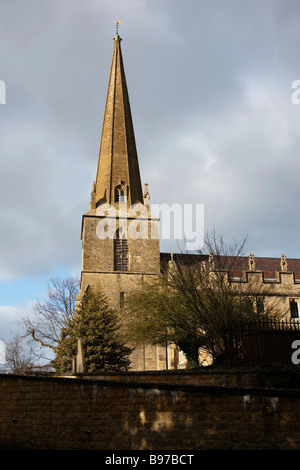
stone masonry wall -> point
(81, 414)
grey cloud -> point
(201, 136)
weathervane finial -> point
(117, 25)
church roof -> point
(268, 266)
(118, 161)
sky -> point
(216, 123)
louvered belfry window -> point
(120, 194)
(120, 252)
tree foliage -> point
(97, 326)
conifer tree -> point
(96, 324)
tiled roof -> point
(238, 264)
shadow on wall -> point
(51, 413)
(211, 419)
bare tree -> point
(48, 319)
(19, 356)
(196, 300)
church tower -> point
(120, 243)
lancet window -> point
(120, 195)
(120, 251)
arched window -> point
(120, 251)
(120, 195)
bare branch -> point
(49, 317)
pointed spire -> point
(118, 173)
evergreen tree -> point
(96, 324)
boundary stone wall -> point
(215, 378)
(69, 413)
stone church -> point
(120, 242)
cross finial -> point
(117, 25)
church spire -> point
(118, 174)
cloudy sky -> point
(210, 85)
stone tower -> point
(120, 245)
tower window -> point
(120, 252)
(260, 305)
(122, 299)
(120, 193)
(294, 309)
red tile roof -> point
(238, 264)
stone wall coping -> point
(159, 386)
(205, 370)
